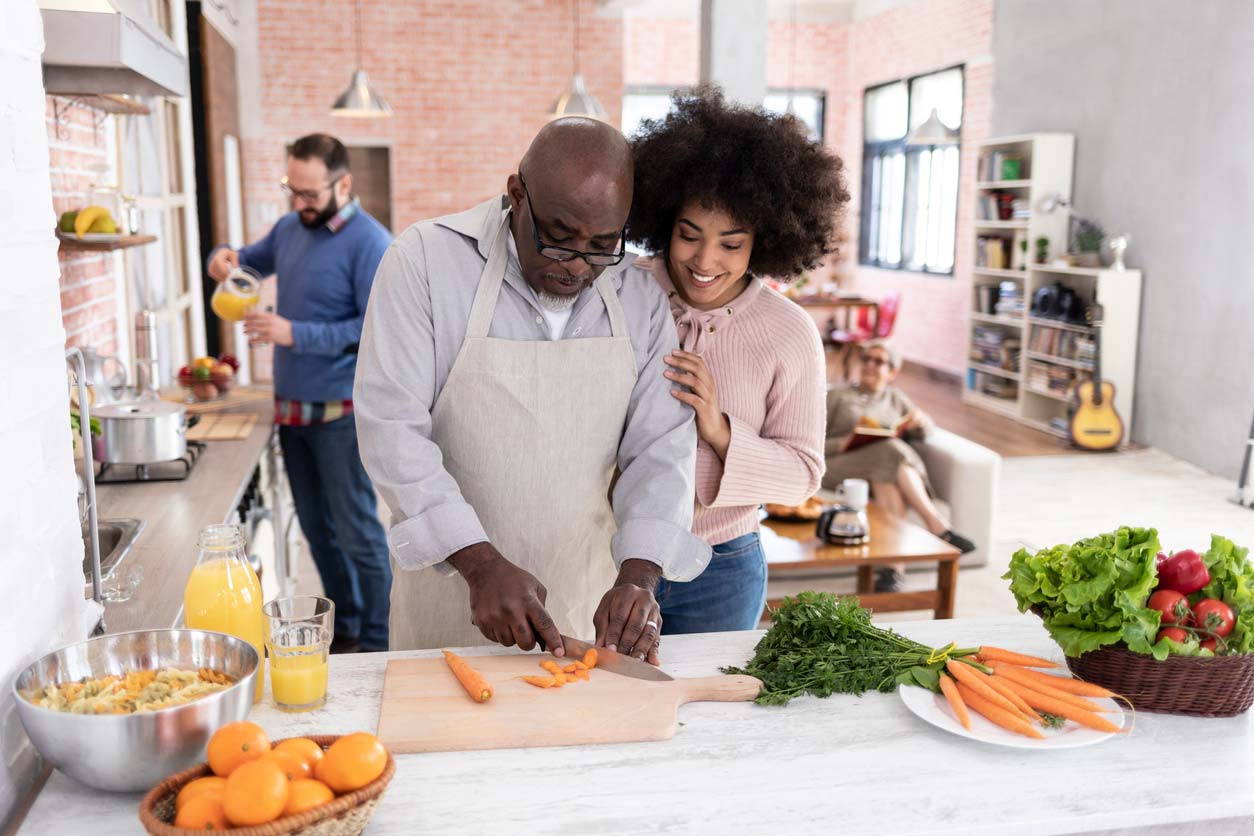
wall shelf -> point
(1005, 274)
(1019, 224)
(993, 370)
(1004, 184)
(999, 319)
(1058, 396)
(122, 243)
(1059, 324)
(1060, 361)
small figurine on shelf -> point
(1118, 246)
(1042, 250)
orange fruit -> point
(306, 794)
(309, 751)
(352, 762)
(190, 790)
(256, 792)
(234, 744)
(202, 812)
(293, 765)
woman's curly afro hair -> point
(758, 167)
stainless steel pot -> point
(142, 432)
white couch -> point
(965, 477)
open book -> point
(869, 430)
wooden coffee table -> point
(793, 551)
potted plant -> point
(1042, 250)
(97, 449)
(1088, 237)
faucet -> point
(75, 358)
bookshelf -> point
(1021, 365)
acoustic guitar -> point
(1094, 423)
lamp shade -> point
(359, 100)
(577, 101)
(932, 132)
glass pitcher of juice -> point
(236, 295)
(223, 592)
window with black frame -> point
(910, 173)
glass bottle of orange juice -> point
(223, 592)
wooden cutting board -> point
(425, 708)
(234, 426)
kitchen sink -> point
(116, 538)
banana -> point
(87, 217)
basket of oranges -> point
(207, 378)
(322, 785)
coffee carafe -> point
(845, 524)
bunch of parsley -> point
(820, 644)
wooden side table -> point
(792, 550)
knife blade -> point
(615, 662)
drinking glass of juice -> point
(298, 637)
(236, 295)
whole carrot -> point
(976, 681)
(471, 679)
(1062, 683)
(1009, 720)
(1017, 676)
(1066, 709)
(1003, 688)
(999, 654)
(950, 689)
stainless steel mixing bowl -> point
(133, 752)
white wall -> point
(41, 586)
(1160, 97)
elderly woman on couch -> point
(869, 425)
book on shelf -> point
(1002, 165)
(993, 252)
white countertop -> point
(841, 765)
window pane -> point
(640, 106)
(888, 209)
(172, 147)
(931, 195)
(807, 106)
(942, 91)
(884, 113)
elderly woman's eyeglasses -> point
(874, 360)
(304, 194)
(556, 253)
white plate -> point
(935, 709)
(90, 236)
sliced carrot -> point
(551, 666)
(582, 673)
(1016, 676)
(977, 682)
(1002, 687)
(569, 669)
(580, 665)
(540, 681)
(1063, 683)
(1066, 709)
(590, 657)
(1009, 720)
(471, 679)
(998, 654)
(950, 689)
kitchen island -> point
(840, 765)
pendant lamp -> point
(577, 101)
(360, 100)
(932, 132)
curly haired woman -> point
(723, 196)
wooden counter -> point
(175, 512)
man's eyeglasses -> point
(555, 253)
(305, 195)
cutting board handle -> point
(734, 688)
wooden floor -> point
(942, 399)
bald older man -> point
(512, 412)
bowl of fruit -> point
(208, 378)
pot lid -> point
(139, 409)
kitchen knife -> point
(613, 662)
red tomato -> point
(1173, 633)
(1211, 644)
(1213, 615)
(1173, 606)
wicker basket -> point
(1220, 686)
(347, 815)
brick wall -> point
(844, 59)
(89, 280)
(41, 544)
(470, 83)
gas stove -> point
(172, 471)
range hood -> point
(108, 46)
